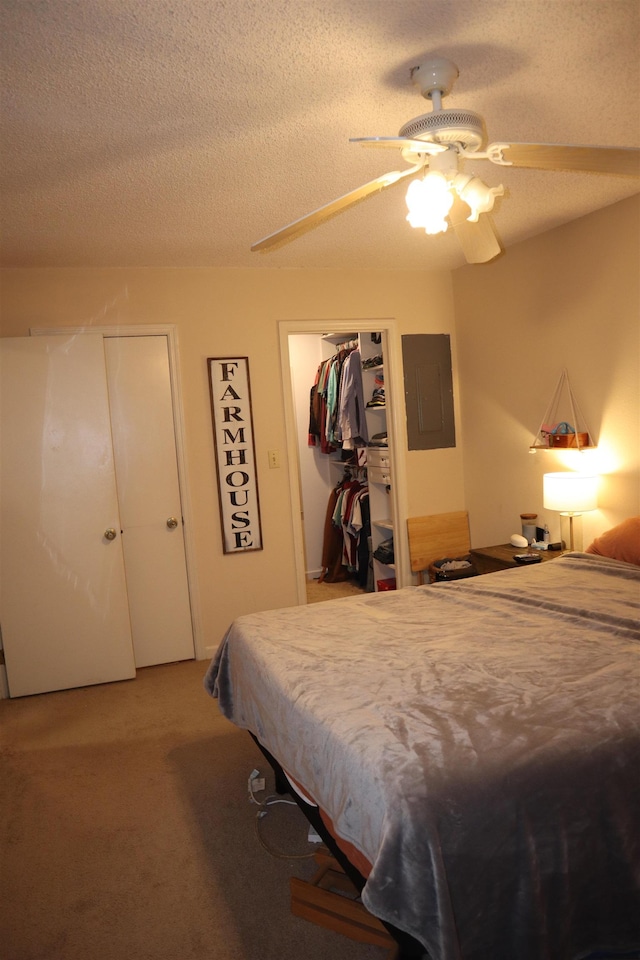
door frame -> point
(169, 331)
(393, 380)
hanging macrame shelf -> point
(555, 433)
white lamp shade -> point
(570, 492)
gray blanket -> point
(478, 742)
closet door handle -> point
(110, 534)
(172, 523)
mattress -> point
(478, 742)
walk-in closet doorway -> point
(311, 477)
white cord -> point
(263, 811)
(268, 801)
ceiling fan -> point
(439, 193)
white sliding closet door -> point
(65, 620)
(149, 496)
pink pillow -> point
(619, 543)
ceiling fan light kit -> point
(429, 201)
(479, 197)
(433, 144)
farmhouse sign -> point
(235, 453)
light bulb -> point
(429, 201)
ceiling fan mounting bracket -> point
(435, 77)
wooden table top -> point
(505, 553)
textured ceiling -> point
(178, 132)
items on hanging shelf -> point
(555, 432)
(563, 435)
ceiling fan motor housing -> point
(447, 126)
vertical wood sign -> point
(235, 453)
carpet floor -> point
(317, 592)
(127, 832)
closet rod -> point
(347, 345)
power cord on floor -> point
(255, 782)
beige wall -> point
(236, 312)
(566, 299)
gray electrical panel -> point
(428, 391)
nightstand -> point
(501, 557)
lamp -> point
(571, 494)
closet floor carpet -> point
(317, 592)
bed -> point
(475, 745)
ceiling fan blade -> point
(417, 146)
(478, 240)
(323, 213)
(621, 161)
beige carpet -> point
(316, 592)
(127, 833)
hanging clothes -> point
(345, 553)
(337, 421)
(336, 403)
(351, 416)
(324, 403)
(332, 569)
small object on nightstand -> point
(518, 541)
(527, 557)
(502, 556)
(556, 546)
(529, 526)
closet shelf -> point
(385, 524)
(339, 337)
